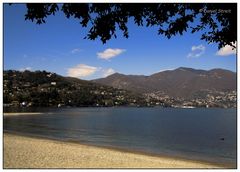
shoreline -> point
(137, 152)
(20, 152)
(21, 113)
(49, 112)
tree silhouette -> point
(216, 22)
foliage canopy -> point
(216, 21)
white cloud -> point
(76, 50)
(110, 53)
(108, 72)
(199, 47)
(81, 70)
(26, 68)
(163, 70)
(196, 51)
(227, 50)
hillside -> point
(179, 85)
(181, 82)
(183, 87)
(41, 88)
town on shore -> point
(46, 89)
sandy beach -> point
(22, 113)
(27, 152)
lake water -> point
(188, 133)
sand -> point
(21, 113)
(28, 152)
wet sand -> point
(28, 152)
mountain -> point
(182, 82)
(182, 87)
(41, 88)
(136, 83)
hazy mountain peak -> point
(220, 70)
(116, 74)
(185, 69)
(181, 82)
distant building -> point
(23, 104)
(49, 75)
(53, 83)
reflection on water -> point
(189, 133)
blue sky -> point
(58, 46)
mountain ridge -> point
(167, 70)
(47, 89)
(41, 88)
(181, 82)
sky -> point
(58, 46)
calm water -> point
(188, 133)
